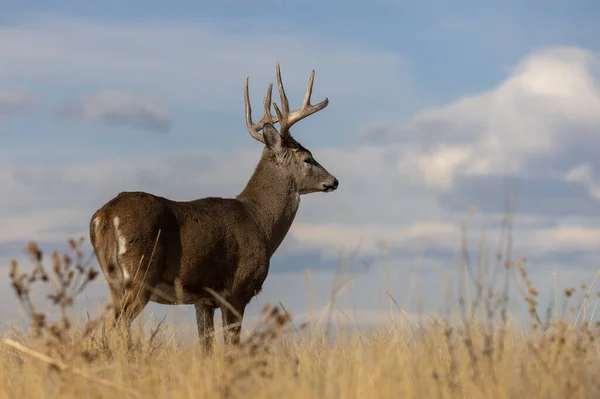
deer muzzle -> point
(331, 186)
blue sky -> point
(433, 105)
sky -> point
(435, 107)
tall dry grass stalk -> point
(481, 354)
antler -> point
(288, 118)
(285, 117)
(254, 128)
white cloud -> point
(563, 239)
(434, 168)
(584, 174)
(550, 101)
(420, 238)
(370, 239)
(118, 107)
(16, 102)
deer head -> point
(295, 161)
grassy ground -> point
(478, 354)
(379, 365)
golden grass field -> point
(479, 352)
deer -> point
(213, 253)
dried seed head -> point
(13, 269)
(67, 300)
(66, 260)
(32, 278)
(66, 323)
(57, 270)
(34, 251)
(92, 274)
(266, 308)
(19, 288)
(54, 298)
(55, 330)
(38, 320)
(55, 260)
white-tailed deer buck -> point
(210, 252)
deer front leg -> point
(205, 321)
(232, 322)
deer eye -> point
(308, 162)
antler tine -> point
(287, 118)
(285, 105)
(254, 128)
(248, 109)
(311, 81)
(268, 118)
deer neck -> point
(273, 199)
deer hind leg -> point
(132, 301)
(131, 304)
(118, 290)
(140, 278)
(205, 314)
(232, 321)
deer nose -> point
(330, 187)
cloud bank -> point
(116, 107)
(541, 123)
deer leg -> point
(232, 322)
(205, 321)
(113, 318)
(137, 284)
(131, 304)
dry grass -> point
(480, 354)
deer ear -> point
(273, 139)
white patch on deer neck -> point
(121, 239)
